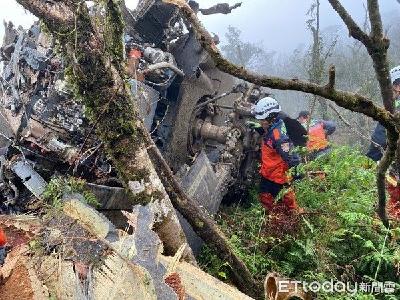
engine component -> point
(206, 130)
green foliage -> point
(339, 237)
(59, 186)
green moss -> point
(114, 24)
(144, 198)
(199, 223)
(59, 186)
(108, 106)
(36, 247)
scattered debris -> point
(185, 102)
(196, 115)
(65, 257)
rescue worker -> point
(378, 145)
(276, 156)
(3, 241)
(318, 131)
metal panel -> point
(147, 98)
(30, 178)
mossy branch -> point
(58, 14)
(354, 30)
(375, 19)
(384, 164)
(114, 23)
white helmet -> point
(265, 107)
(395, 74)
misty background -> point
(274, 37)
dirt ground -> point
(17, 286)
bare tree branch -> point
(354, 30)
(375, 19)
(57, 13)
(384, 164)
(378, 53)
(332, 76)
(352, 127)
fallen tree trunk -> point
(205, 227)
(76, 253)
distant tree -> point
(319, 53)
(242, 53)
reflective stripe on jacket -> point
(276, 154)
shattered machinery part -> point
(206, 130)
(207, 82)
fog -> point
(279, 24)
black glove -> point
(256, 127)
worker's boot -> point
(289, 201)
(394, 200)
(267, 201)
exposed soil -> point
(17, 237)
(17, 286)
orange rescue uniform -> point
(276, 159)
(3, 238)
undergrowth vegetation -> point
(339, 237)
(58, 187)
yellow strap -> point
(391, 180)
